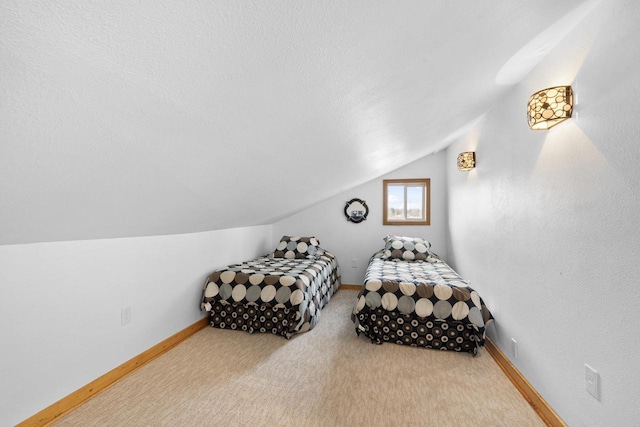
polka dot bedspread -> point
(420, 303)
(282, 296)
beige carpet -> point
(326, 377)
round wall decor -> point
(356, 210)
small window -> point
(406, 201)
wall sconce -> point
(549, 107)
(466, 160)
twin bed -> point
(410, 296)
(281, 293)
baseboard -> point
(542, 408)
(75, 399)
(78, 397)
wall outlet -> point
(125, 315)
(592, 381)
(354, 263)
(514, 348)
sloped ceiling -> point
(154, 117)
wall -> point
(348, 241)
(61, 305)
(547, 224)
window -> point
(406, 201)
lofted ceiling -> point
(154, 117)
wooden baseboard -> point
(75, 399)
(542, 408)
(78, 397)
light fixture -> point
(466, 160)
(549, 107)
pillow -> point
(296, 247)
(406, 248)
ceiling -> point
(157, 117)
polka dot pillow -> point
(406, 248)
(297, 247)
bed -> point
(412, 297)
(281, 293)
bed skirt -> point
(256, 318)
(380, 325)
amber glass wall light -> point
(466, 161)
(549, 107)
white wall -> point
(547, 225)
(61, 306)
(349, 241)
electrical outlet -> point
(354, 263)
(592, 381)
(514, 348)
(125, 315)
